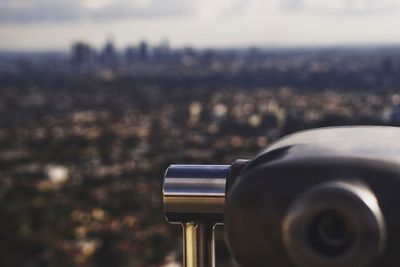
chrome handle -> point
(194, 196)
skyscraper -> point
(109, 55)
(143, 51)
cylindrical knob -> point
(193, 192)
(334, 224)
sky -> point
(55, 24)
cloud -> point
(343, 7)
(28, 11)
(292, 4)
(25, 11)
(214, 9)
(31, 11)
(65, 10)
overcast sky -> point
(55, 24)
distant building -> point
(131, 54)
(109, 55)
(162, 51)
(143, 51)
(82, 54)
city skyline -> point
(49, 25)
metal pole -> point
(198, 244)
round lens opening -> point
(330, 234)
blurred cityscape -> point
(85, 136)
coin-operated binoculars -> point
(326, 197)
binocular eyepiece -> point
(326, 197)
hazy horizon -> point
(40, 25)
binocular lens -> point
(334, 224)
(330, 234)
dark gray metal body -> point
(296, 180)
